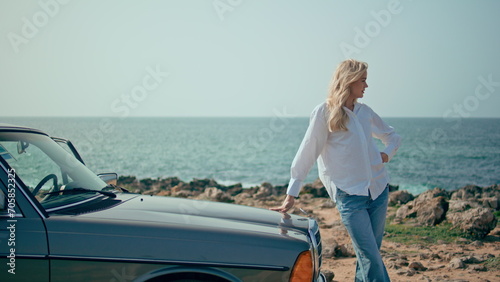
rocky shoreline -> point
(471, 209)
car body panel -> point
(158, 223)
(133, 237)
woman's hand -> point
(385, 157)
(287, 204)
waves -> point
(251, 151)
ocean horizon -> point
(435, 152)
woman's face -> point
(358, 87)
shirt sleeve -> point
(309, 150)
(386, 134)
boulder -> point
(488, 197)
(457, 263)
(491, 202)
(203, 183)
(476, 222)
(459, 205)
(429, 208)
(183, 194)
(265, 190)
(317, 189)
(215, 194)
(242, 198)
(393, 188)
(345, 250)
(418, 266)
(400, 197)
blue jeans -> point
(364, 219)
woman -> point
(350, 165)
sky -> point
(246, 58)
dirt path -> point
(435, 258)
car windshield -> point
(45, 167)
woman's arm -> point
(313, 143)
(387, 135)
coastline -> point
(475, 256)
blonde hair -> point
(346, 73)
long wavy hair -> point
(346, 73)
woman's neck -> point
(350, 105)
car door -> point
(23, 239)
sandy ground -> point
(435, 258)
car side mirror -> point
(110, 178)
(21, 147)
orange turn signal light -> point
(303, 268)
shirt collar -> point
(356, 106)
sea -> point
(435, 152)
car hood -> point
(187, 211)
(174, 229)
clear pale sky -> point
(246, 57)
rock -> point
(461, 205)
(429, 208)
(433, 212)
(491, 202)
(328, 204)
(241, 198)
(329, 252)
(393, 188)
(215, 194)
(477, 222)
(477, 244)
(126, 180)
(457, 263)
(400, 197)
(478, 268)
(467, 192)
(472, 259)
(417, 266)
(317, 189)
(265, 190)
(406, 272)
(344, 250)
(488, 197)
(203, 183)
(183, 194)
(435, 267)
(476, 192)
(329, 275)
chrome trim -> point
(313, 230)
(176, 262)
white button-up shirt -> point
(347, 160)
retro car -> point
(59, 221)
